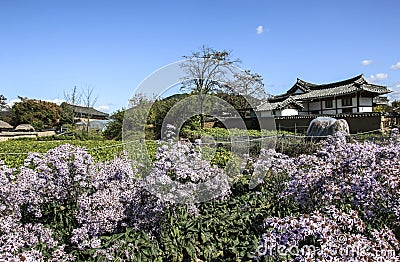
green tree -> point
(5, 113)
(67, 114)
(114, 128)
(382, 108)
(395, 104)
(159, 110)
(40, 114)
(3, 103)
(135, 121)
(241, 104)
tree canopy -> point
(40, 114)
(114, 129)
(248, 85)
(207, 69)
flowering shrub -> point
(21, 240)
(63, 206)
(64, 196)
(268, 163)
(330, 235)
(114, 201)
(364, 175)
(180, 175)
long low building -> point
(82, 112)
(354, 95)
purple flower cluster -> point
(17, 239)
(18, 199)
(114, 200)
(181, 175)
(364, 175)
(103, 198)
(269, 162)
(330, 235)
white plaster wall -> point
(265, 113)
(289, 112)
(315, 106)
(365, 109)
(354, 102)
(365, 101)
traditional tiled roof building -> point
(354, 95)
(82, 112)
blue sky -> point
(48, 47)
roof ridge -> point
(357, 79)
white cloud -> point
(11, 102)
(103, 108)
(366, 62)
(260, 29)
(56, 100)
(395, 94)
(378, 77)
(396, 66)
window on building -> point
(347, 101)
(315, 112)
(329, 103)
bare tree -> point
(249, 85)
(206, 71)
(88, 102)
(72, 98)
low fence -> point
(291, 145)
(18, 135)
(360, 122)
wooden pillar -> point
(358, 101)
(320, 102)
(336, 105)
